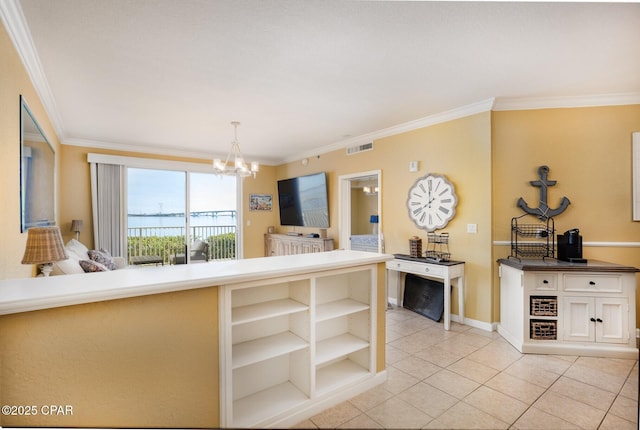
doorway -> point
(360, 211)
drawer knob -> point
(545, 282)
(426, 269)
(592, 283)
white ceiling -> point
(168, 76)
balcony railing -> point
(169, 242)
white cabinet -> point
(293, 342)
(284, 244)
(602, 320)
(555, 307)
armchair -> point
(199, 252)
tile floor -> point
(467, 378)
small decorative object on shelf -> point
(438, 247)
(415, 246)
(539, 238)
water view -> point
(170, 222)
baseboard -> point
(482, 325)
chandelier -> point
(234, 164)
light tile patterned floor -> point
(472, 379)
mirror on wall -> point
(37, 170)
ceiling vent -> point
(359, 148)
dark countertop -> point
(426, 260)
(553, 265)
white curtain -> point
(106, 196)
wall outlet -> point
(472, 228)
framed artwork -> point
(260, 202)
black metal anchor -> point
(543, 211)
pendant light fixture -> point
(235, 165)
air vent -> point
(359, 148)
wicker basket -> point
(544, 306)
(544, 330)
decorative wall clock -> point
(432, 202)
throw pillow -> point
(92, 266)
(78, 248)
(103, 257)
(68, 266)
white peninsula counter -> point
(245, 343)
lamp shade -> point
(374, 219)
(44, 245)
(76, 225)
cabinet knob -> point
(545, 282)
(592, 319)
(598, 319)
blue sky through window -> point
(163, 191)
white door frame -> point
(344, 205)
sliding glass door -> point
(180, 217)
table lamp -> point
(76, 227)
(44, 247)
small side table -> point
(147, 259)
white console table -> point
(444, 271)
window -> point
(177, 211)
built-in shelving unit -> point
(294, 341)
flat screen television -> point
(303, 201)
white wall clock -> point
(432, 202)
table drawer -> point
(417, 268)
(593, 283)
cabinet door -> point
(612, 316)
(578, 313)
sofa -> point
(83, 260)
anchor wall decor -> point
(543, 211)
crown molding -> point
(530, 103)
(171, 151)
(450, 115)
(18, 30)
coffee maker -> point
(570, 246)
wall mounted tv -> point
(304, 201)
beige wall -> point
(15, 81)
(148, 361)
(459, 149)
(588, 151)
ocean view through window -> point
(157, 225)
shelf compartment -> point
(543, 306)
(338, 346)
(266, 404)
(339, 308)
(543, 330)
(246, 353)
(338, 374)
(264, 310)
(354, 286)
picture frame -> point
(260, 202)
